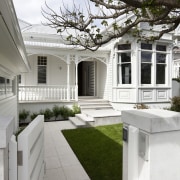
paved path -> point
(61, 162)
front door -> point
(86, 78)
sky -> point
(30, 10)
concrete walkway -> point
(61, 162)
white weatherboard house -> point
(124, 72)
(176, 54)
(13, 61)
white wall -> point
(56, 72)
(8, 108)
(101, 79)
(175, 88)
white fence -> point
(31, 151)
(47, 93)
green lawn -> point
(99, 150)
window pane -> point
(124, 46)
(146, 56)
(118, 74)
(160, 58)
(126, 73)
(145, 73)
(125, 57)
(160, 74)
(42, 60)
(41, 74)
(2, 86)
(9, 86)
(160, 48)
(19, 79)
(146, 46)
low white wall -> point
(35, 107)
(152, 151)
(175, 88)
(129, 106)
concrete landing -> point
(98, 117)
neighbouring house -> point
(176, 64)
(13, 61)
(124, 72)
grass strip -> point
(99, 150)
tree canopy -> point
(95, 26)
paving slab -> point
(61, 162)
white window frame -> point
(119, 66)
(41, 64)
(154, 64)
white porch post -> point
(76, 80)
(68, 78)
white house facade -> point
(13, 61)
(124, 72)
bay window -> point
(124, 64)
(153, 63)
(160, 64)
(146, 63)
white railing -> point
(31, 151)
(47, 93)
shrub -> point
(48, 114)
(56, 111)
(65, 112)
(33, 116)
(23, 114)
(176, 79)
(76, 109)
(175, 104)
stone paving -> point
(61, 162)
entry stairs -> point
(95, 112)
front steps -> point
(95, 112)
(93, 104)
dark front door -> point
(86, 78)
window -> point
(160, 64)
(2, 86)
(6, 87)
(146, 63)
(153, 63)
(9, 86)
(124, 64)
(42, 65)
(19, 79)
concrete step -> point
(85, 117)
(77, 122)
(95, 104)
(83, 110)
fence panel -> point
(31, 151)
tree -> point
(93, 29)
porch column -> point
(76, 80)
(68, 78)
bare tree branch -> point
(92, 30)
